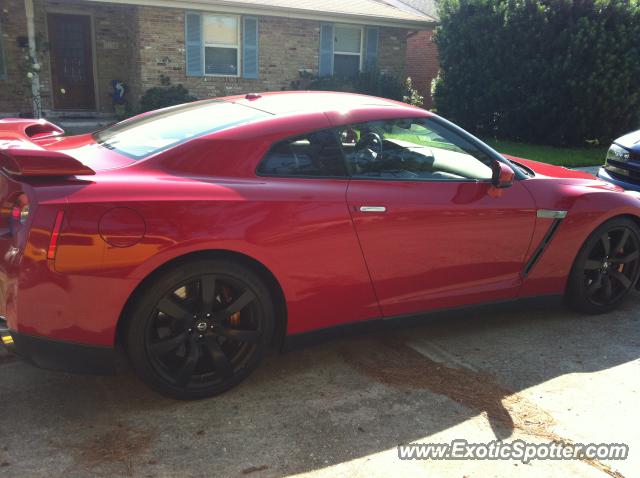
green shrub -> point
(161, 97)
(560, 72)
(371, 82)
(412, 96)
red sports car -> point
(197, 236)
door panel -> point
(71, 61)
(441, 244)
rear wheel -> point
(607, 267)
(200, 328)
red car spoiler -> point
(19, 156)
(39, 162)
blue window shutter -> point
(327, 40)
(371, 48)
(250, 47)
(193, 44)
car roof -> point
(288, 102)
(284, 115)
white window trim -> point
(360, 54)
(237, 46)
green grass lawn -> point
(569, 157)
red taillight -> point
(55, 234)
(19, 214)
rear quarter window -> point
(141, 137)
(316, 154)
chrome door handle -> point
(373, 209)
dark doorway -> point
(71, 61)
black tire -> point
(185, 338)
(607, 267)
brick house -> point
(422, 52)
(212, 47)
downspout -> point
(33, 54)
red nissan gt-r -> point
(198, 235)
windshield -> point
(141, 137)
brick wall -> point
(392, 45)
(286, 47)
(15, 89)
(113, 27)
(139, 45)
(422, 62)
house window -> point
(221, 36)
(347, 52)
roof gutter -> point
(229, 7)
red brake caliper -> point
(228, 297)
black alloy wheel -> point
(607, 267)
(202, 329)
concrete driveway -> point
(341, 408)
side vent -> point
(546, 240)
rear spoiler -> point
(40, 163)
(19, 156)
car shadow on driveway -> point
(312, 408)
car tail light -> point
(19, 214)
(55, 234)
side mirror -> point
(503, 175)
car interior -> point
(397, 149)
(404, 149)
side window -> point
(419, 149)
(316, 154)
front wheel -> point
(200, 328)
(607, 267)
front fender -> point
(588, 205)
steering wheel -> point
(371, 141)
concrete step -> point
(83, 125)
